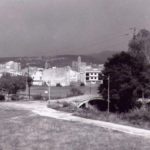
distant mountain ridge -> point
(60, 60)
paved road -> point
(41, 109)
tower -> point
(46, 65)
(79, 63)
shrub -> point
(138, 116)
(38, 97)
(2, 98)
(14, 97)
(58, 85)
(82, 84)
(65, 104)
(75, 92)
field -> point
(23, 130)
(61, 92)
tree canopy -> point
(12, 84)
(139, 46)
(128, 78)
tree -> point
(126, 81)
(139, 46)
(12, 84)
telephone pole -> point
(108, 95)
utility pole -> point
(26, 86)
(108, 95)
(49, 89)
(28, 83)
(90, 88)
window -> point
(87, 74)
(87, 78)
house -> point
(93, 75)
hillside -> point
(60, 60)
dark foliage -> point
(2, 97)
(82, 84)
(74, 91)
(128, 78)
(58, 85)
(12, 84)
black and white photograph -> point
(74, 74)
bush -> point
(75, 92)
(14, 97)
(2, 98)
(58, 85)
(38, 97)
(82, 84)
(138, 116)
(65, 104)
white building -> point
(93, 75)
(37, 77)
(63, 76)
(11, 67)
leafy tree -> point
(127, 80)
(139, 46)
(12, 84)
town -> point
(74, 75)
(79, 72)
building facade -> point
(63, 76)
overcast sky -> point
(51, 27)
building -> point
(37, 77)
(78, 65)
(11, 67)
(63, 76)
(94, 75)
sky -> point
(55, 27)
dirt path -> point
(41, 109)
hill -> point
(60, 60)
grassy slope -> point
(24, 131)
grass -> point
(137, 117)
(21, 130)
(60, 92)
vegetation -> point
(139, 46)
(12, 84)
(21, 130)
(138, 117)
(58, 85)
(82, 84)
(128, 79)
(75, 91)
(38, 97)
(129, 74)
(2, 97)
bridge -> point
(82, 101)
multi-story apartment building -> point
(93, 76)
